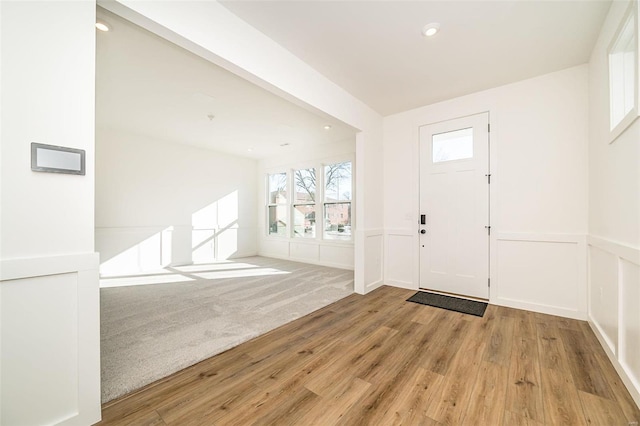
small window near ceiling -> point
(455, 145)
(623, 74)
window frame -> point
(618, 128)
(350, 202)
(295, 203)
(269, 204)
(318, 165)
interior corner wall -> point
(614, 220)
(160, 203)
(538, 190)
(49, 299)
(213, 32)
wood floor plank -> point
(601, 411)
(499, 345)
(524, 394)
(550, 348)
(584, 366)
(379, 360)
(514, 419)
(451, 335)
(620, 393)
(486, 405)
(357, 360)
(344, 393)
(561, 403)
(451, 406)
(410, 405)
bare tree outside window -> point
(337, 181)
(337, 201)
(304, 204)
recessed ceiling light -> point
(249, 149)
(102, 26)
(431, 29)
(327, 127)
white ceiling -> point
(375, 50)
(146, 85)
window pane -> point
(337, 221)
(278, 220)
(622, 59)
(337, 181)
(456, 145)
(305, 184)
(278, 188)
(304, 221)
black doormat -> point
(464, 306)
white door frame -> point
(490, 109)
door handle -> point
(423, 231)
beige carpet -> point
(156, 324)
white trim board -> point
(611, 317)
(544, 273)
(15, 269)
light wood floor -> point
(378, 360)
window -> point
(455, 145)
(337, 201)
(312, 203)
(277, 204)
(623, 74)
(304, 204)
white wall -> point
(614, 220)
(339, 254)
(161, 203)
(538, 183)
(49, 310)
(211, 31)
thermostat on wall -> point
(57, 159)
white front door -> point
(454, 206)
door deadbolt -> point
(423, 231)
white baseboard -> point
(401, 284)
(543, 309)
(374, 285)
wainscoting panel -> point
(603, 294)
(340, 256)
(542, 273)
(374, 255)
(629, 343)
(50, 351)
(325, 253)
(399, 258)
(614, 288)
(278, 248)
(304, 252)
